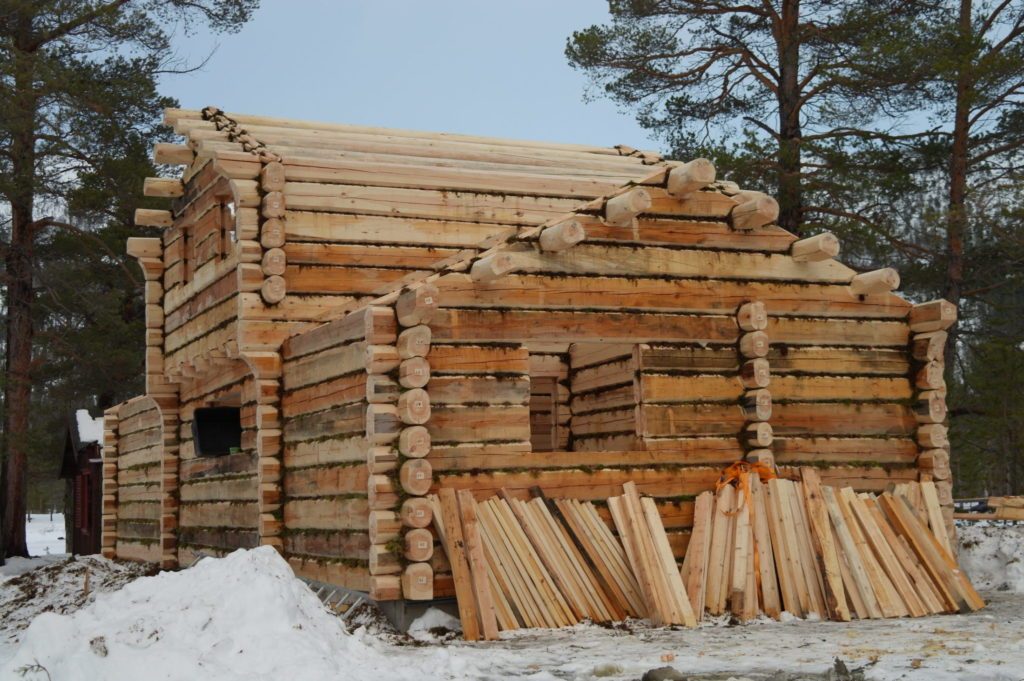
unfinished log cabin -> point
(344, 319)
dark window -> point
(217, 431)
(543, 406)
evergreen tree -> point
(78, 81)
(794, 79)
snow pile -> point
(434, 625)
(993, 555)
(241, 617)
(89, 429)
(63, 587)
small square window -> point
(217, 431)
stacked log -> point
(331, 489)
(928, 325)
(414, 310)
(602, 382)
(266, 369)
(139, 492)
(108, 538)
(755, 376)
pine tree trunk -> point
(19, 263)
(956, 227)
(790, 195)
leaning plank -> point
(770, 599)
(695, 566)
(846, 542)
(824, 547)
(477, 565)
(455, 547)
(934, 512)
(663, 551)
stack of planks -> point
(1000, 508)
(758, 547)
(553, 563)
(812, 550)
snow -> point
(89, 429)
(45, 534)
(245, 616)
(993, 555)
(433, 625)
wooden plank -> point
(771, 601)
(889, 601)
(718, 559)
(676, 591)
(861, 581)
(812, 574)
(940, 565)
(817, 418)
(614, 552)
(919, 578)
(631, 542)
(884, 553)
(474, 550)
(934, 514)
(824, 546)
(597, 560)
(532, 564)
(695, 565)
(455, 547)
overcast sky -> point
(489, 67)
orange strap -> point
(739, 473)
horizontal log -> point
(226, 539)
(478, 424)
(475, 359)
(234, 489)
(682, 451)
(334, 392)
(586, 485)
(421, 203)
(479, 389)
(162, 187)
(818, 247)
(338, 421)
(337, 513)
(172, 154)
(681, 295)
(148, 217)
(343, 545)
(361, 255)
(690, 176)
(371, 229)
(327, 451)
(375, 325)
(219, 514)
(344, 575)
(689, 420)
(680, 263)
(326, 480)
(936, 315)
(834, 450)
(833, 418)
(877, 281)
(489, 325)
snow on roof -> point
(89, 429)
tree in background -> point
(821, 70)
(78, 82)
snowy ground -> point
(246, 617)
(45, 537)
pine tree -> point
(799, 78)
(78, 80)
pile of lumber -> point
(774, 545)
(758, 547)
(997, 508)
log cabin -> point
(342, 319)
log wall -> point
(138, 455)
(218, 495)
(326, 479)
